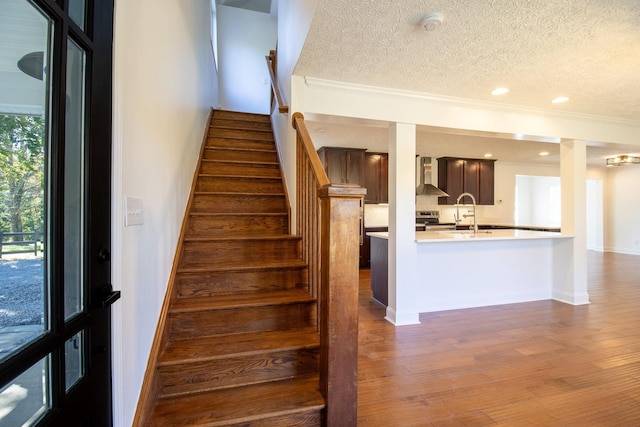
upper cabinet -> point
(457, 176)
(343, 165)
(376, 177)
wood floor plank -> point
(530, 364)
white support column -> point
(402, 233)
(570, 255)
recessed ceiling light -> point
(488, 155)
(499, 91)
(544, 153)
(559, 100)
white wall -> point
(245, 37)
(622, 210)
(537, 200)
(164, 87)
(294, 21)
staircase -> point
(240, 343)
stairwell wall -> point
(245, 37)
(294, 21)
(165, 84)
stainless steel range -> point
(430, 220)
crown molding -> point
(312, 82)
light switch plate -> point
(133, 211)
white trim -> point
(571, 298)
(464, 102)
(402, 319)
(338, 99)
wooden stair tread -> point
(227, 193)
(269, 265)
(241, 128)
(241, 300)
(243, 162)
(242, 149)
(241, 405)
(241, 116)
(257, 214)
(213, 175)
(232, 238)
(207, 348)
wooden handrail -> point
(328, 220)
(275, 90)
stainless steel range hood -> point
(424, 186)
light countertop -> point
(483, 235)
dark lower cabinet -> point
(380, 270)
(365, 248)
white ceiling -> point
(587, 50)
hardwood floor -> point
(532, 364)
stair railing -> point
(328, 220)
(275, 89)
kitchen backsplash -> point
(376, 215)
(486, 214)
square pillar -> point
(570, 255)
(402, 232)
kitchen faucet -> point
(473, 202)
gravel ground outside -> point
(21, 292)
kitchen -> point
(451, 263)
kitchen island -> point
(458, 269)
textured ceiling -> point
(586, 50)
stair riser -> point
(240, 124)
(239, 143)
(226, 253)
(223, 203)
(241, 134)
(240, 169)
(240, 155)
(236, 371)
(188, 325)
(240, 185)
(228, 282)
(234, 115)
(228, 225)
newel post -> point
(341, 228)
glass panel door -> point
(55, 70)
(24, 88)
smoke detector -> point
(432, 21)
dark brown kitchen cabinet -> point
(343, 165)
(365, 247)
(457, 176)
(376, 177)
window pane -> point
(76, 12)
(24, 91)
(25, 399)
(74, 181)
(74, 359)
